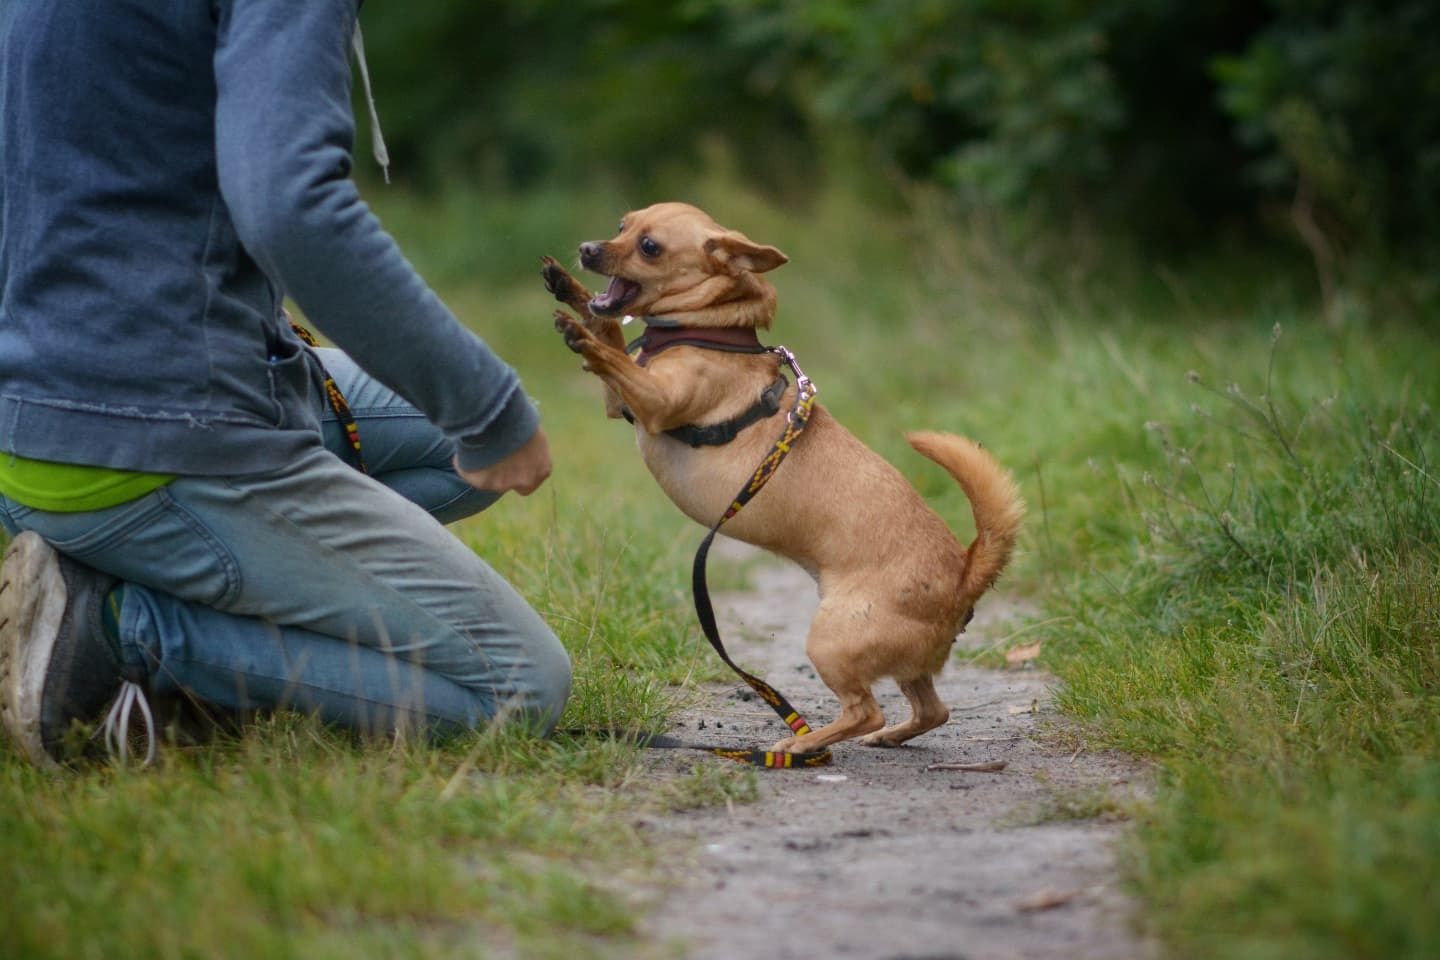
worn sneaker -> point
(56, 665)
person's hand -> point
(523, 471)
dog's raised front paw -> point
(561, 285)
(577, 338)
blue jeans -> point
(318, 588)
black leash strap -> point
(795, 425)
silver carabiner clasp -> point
(803, 384)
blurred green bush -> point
(1165, 119)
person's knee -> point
(533, 690)
(549, 683)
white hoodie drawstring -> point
(377, 139)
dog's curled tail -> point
(994, 499)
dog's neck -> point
(661, 333)
(744, 301)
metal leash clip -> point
(804, 387)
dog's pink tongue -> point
(615, 295)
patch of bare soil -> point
(879, 856)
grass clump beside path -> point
(1272, 635)
(1239, 582)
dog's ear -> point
(737, 254)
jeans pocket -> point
(152, 541)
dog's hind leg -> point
(859, 713)
(829, 651)
(927, 713)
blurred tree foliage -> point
(1167, 118)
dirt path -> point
(876, 857)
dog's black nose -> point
(589, 253)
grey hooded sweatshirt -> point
(171, 170)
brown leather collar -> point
(662, 336)
(731, 339)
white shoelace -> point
(117, 723)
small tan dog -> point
(895, 585)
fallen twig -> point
(977, 706)
(990, 766)
(1046, 900)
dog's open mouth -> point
(618, 295)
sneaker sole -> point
(32, 605)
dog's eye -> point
(621, 228)
(649, 247)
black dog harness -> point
(661, 336)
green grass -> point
(1274, 638)
(1239, 583)
(291, 842)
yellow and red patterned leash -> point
(336, 398)
(797, 420)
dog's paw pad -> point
(559, 283)
(576, 336)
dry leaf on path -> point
(1019, 656)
